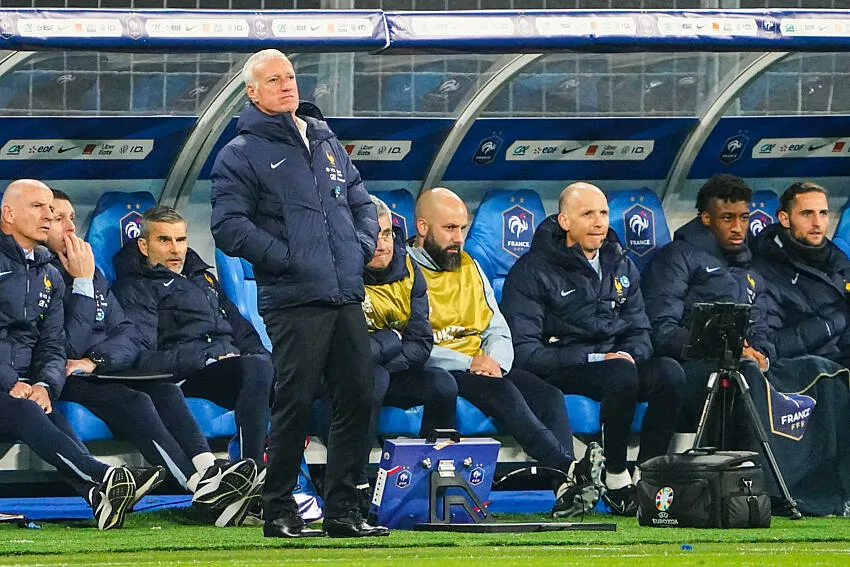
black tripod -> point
(728, 375)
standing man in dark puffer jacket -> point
(577, 319)
(286, 197)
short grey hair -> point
(256, 59)
(383, 209)
(159, 213)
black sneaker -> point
(589, 469)
(224, 483)
(112, 498)
(622, 501)
(237, 513)
(146, 479)
(574, 499)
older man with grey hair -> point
(286, 197)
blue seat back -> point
(841, 238)
(402, 206)
(638, 219)
(502, 231)
(762, 211)
(236, 276)
(116, 219)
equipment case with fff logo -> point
(703, 488)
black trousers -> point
(243, 384)
(433, 388)
(318, 350)
(24, 421)
(619, 384)
(532, 411)
(152, 415)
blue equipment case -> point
(406, 479)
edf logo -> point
(476, 476)
(403, 479)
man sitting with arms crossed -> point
(576, 313)
(473, 342)
(189, 327)
(151, 414)
(32, 357)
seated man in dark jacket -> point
(32, 357)
(809, 291)
(473, 342)
(577, 319)
(708, 261)
(151, 414)
(188, 327)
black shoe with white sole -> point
(225, 483)
(112, 498)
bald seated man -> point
(473, 342)
(577, 317)
(32, 357)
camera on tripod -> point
(717, 332)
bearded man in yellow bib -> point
(473, 342)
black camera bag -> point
(703, 488)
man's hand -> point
(78, 259)
(39, 395)
(753, 354)
(20, 390)
(620, 354)
(83, 365)
(485, 365)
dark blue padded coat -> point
(807, 307)
(32, 337)
(302, 218)
(183, 319)
(98, 325)
(413, 348)
(559, 310)
(694, 269)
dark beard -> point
(441, 256)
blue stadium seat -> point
(87, 426)
(638, 219)
(398, 421)
(841, 238)
(584, 415)
(472, 421)
(236, 276)
(402, 206)
(762, 211)
(116, 219)
(214, 420)
(502, 230)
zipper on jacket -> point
(325, 217)
(27, 296)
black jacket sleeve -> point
(80, 314)
(417, 338)
(796, 340)
(636, 341)
(523, 306)
(362, 209)
(122, 345)
(665, 286)
(48, 355)
(141, 308)
(235, 197)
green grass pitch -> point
(173, 538)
